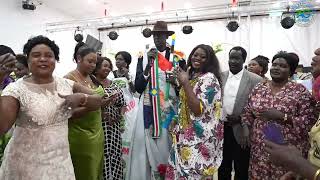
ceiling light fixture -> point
(232, 25)
(113, 35)
(146, 31)
(287, 19)
(28, 5)
(187, 29)
(78, 37)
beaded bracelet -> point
(85, 100)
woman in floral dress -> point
(198, 132)
(282, 104)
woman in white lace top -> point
(40, 106)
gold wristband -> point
(315, 177)
(85, 100)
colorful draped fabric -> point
(198, 140)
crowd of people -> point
(198, 122)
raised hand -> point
(7, 63)
(270, 115)
(182, 76)
(72, 101)
(109, 101)
(284, 155)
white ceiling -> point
(85, 9)
(91, 13)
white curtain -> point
(258, 35)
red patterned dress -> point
(294, 100)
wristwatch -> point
(285, 118)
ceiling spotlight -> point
(78, 37)
(232, 26)
(187, 29)
(28, 5)
(287, 20)
(146, 32)
(113, 35)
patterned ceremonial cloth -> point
(198, 140)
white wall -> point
(261, 35)
(66, 43)
(18, 25)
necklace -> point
(84, 81)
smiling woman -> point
(198, 133)
(85, 131)
(283, 107)
(40, 112)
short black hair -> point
(22, 59)
(32, 42)
(295, 57)
(126, 56)
(263, 62)
(290, 58)
(82, 49)
(5, 49)
(100, 60)
(243, 52)
(210, 65)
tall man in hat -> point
(158, 100)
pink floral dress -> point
(294, 100)
(197, 141)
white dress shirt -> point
(230, 91)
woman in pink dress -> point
(277, 104)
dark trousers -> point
(233, 153)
